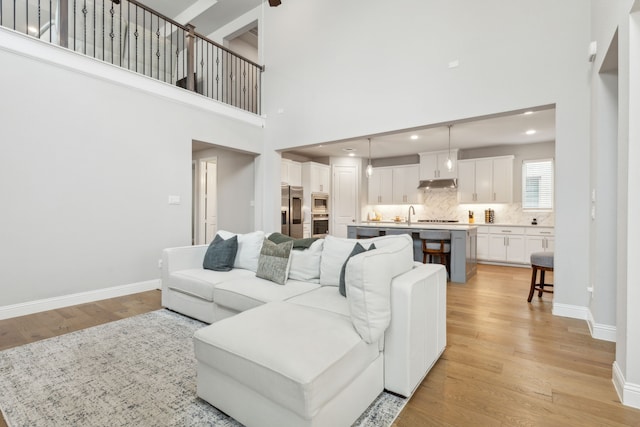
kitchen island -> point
(463, 242)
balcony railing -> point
(132, 36)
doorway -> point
(205, 198)
(345, 198)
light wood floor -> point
(507, 362)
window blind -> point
(537, 184)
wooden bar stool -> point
(540, 261)
(366, 232)
(436, 243)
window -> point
(537, 184)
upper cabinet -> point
(394, 185)
(381, 186)
(316, 177)
(291, 172)
(433, 165)
(405, 184)
(487, 180)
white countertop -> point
(440, 225)
(415, 225)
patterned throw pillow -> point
(357, 249)
(273, 263)
(221, 254)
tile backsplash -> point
(443, 204)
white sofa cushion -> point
(335, 252)
(248, 292)
(368, 280)
(200, 283)
(325, 298)
(298, 357)
(249, 246)
(305, 264)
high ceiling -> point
(206, 15)
(507, 129)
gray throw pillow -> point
(221, 254)
(357, 249)
(273, 263)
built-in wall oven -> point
(319, 203)
(319, 225)
(319, 214)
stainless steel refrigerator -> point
(292, 211)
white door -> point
(208, 212)
(345, 199)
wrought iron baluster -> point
(50, 20)
(120, 34)
(103, 43)
(74, 25)
(158, 50)
(164, 53)
(136, 35)
(112, 12)
(39, 22)
(84, 27)
(14, 14)
(26, 5)
(144, 28)
(129, 36)
(94, 29)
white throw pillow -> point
(335, 252)
(368, 282)
(249, 246)
(305, 264)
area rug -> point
(139, 371)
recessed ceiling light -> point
(530, 132)
(320, 146)
(414, 137)
(526, 113)
(352, 154)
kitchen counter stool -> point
(436, 243)
(366, 232)
(540, 261)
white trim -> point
(572, 311)
(25, 308)
(601, 331)
(29, 47)
(628, 393)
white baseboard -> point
(628, 393)
(37, 306)
(601, 331)
(572, 311)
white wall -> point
(340, 77)
(86, 168)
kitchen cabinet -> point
(507, 244)
(381, 186)
(315, 177)
(487, 180)
(483, 243)
(291, 172)
(539, 240)
(405, 184)
(433, 165)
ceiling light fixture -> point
(352, 154)
(414, 137)
(530, 132)
(526, 113)
(369, 170)
(449, 162)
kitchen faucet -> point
(411, 208)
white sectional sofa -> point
(301, 354)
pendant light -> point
(449, 162)
(369, 170)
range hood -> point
(438, 183)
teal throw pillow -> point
(357, 249)
(273, 263)
(221, 254)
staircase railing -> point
(132, 36)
